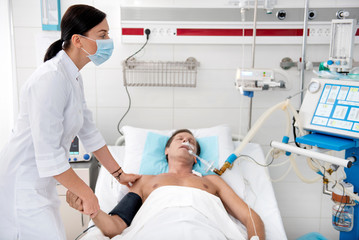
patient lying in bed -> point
(178, 204)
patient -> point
(180, 164)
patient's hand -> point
(74, 201)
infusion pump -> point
(77, 152)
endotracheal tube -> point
(209, 165)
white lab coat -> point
(52, 111)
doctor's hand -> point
(90, 205)
(124, 178)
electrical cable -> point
(295, 133)
(340, 209)
(294, 120)
(147, 32)
(128, 109)
(262, 165)
(84, 231)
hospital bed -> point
(249, 180)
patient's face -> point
(177, 149)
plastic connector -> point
(286, 140)
(147, 32)
(248, 94)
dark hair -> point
(78, 19)
(181, 131)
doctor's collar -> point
(70, 65)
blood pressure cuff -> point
(127, 207)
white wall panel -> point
(297, 227)
(109, 88)
(213, 56)
(108, 118)
(215, 89)
(327, 228)
(26, 13)
(112, 9)
(65, 4)
(25, 46)
(204, 117)
(89, 81)
(295, 202)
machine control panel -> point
(332, 106)
(77, 152)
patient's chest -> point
(167, 179)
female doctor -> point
(52, 111)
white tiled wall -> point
(214, 101)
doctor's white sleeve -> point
(90, 136)
(46, 103)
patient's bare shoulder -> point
(216, 180)
(212, 177)
(142, 181)
(140, 185)
(223, 189)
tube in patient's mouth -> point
(191, 147)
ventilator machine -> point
(328, 119)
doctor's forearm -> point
(74, 183)
(106, 159)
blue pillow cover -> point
(154, 160)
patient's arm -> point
(112, 225)
(109, 225)
(238, 208)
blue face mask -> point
(103, 53)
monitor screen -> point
(74, 148)
(338, 108)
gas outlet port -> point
(312, 14)
(281, 14)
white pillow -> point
(135, 139)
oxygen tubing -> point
(258, 124)
(283, 176)
(299, 174)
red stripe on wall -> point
(209, 32)
(132, 31)
(357, 34)
(279, 32)
(238, 32)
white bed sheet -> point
(258, 192)
(176, 212)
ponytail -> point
(78, 19)
(53, 50)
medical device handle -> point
(312, 154)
